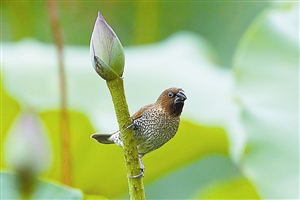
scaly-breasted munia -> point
(153, 125)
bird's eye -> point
(171, 94)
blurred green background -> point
(237, 61)
(222, 23)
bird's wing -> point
(141, 111)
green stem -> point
(136, 187)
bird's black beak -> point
(180, 97)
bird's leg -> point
(142, 167)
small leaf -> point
(103, 70)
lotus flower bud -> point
(106, 51)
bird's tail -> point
(109, 138)
(103, 138)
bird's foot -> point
(139, 175)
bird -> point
(153, 125)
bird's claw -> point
(139, 175)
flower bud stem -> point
(136, 187)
